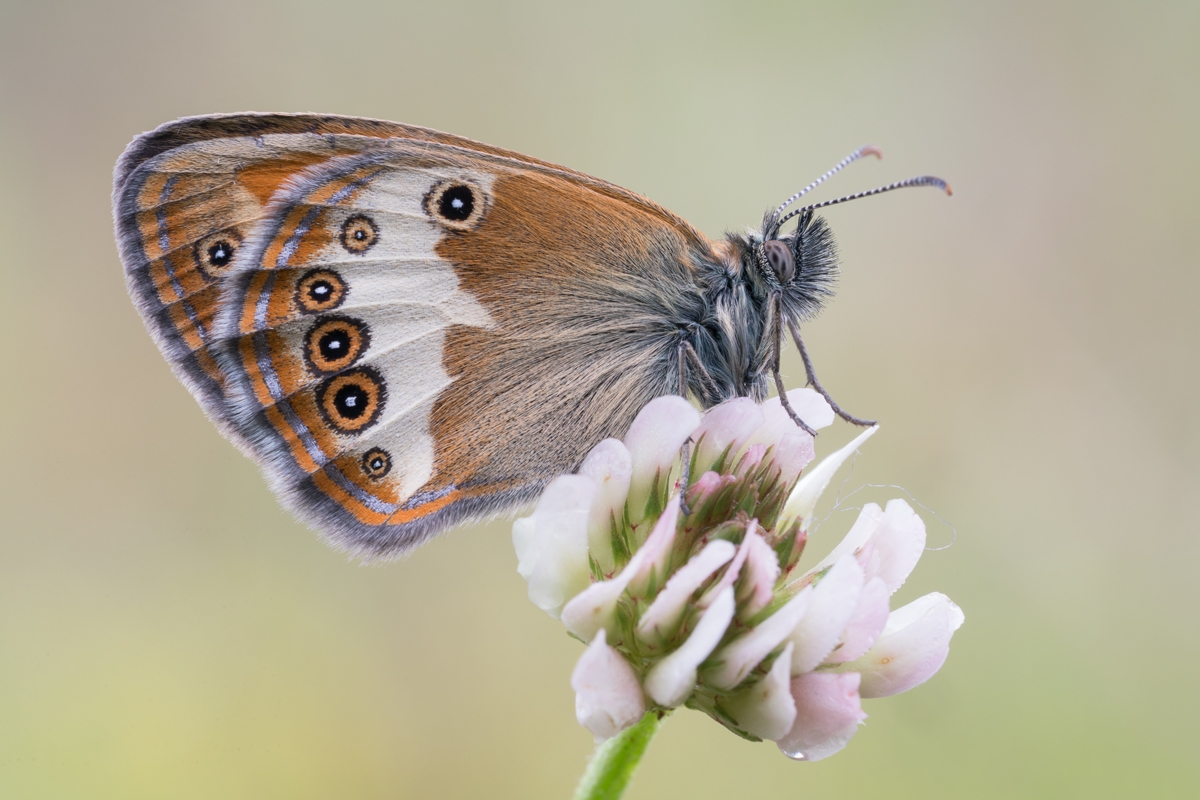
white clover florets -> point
(698, 603)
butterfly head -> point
(796, 271)
(799, 268)
(767, 282)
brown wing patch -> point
(569, 274)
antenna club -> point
(949, 191)
(872, 150)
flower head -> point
(699, 603)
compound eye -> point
(779, 256)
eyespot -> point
(456, 204)
(779, 257)
(214, 253)
(351, 402)
(334, 343)
(376, 463)
(359, 234)
(320, 290)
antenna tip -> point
(870, 150)
(949, 191)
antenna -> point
(865, 150)
(922, 180)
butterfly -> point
(409, 330)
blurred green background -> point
(1030, 345)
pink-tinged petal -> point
(867, 558)
(728, 578)
(610, 466)
(671, 680)
(803, 500)
(663, 615)
(750, 459)
(828, 713)
(746, 652)
(703, 486)
(834, 600)
(654, 440)
(810, 407)
(551, 544)
(595, 607)
(524, 534)
(807, 404)
(725, 426)
(913, 646)
(656, 550)
(792, 454)
(867, 623)
(761, 570)
(899, 541)
(858, 538)
(888, 542)
(608, 697)
(766, 709)
(792, 446)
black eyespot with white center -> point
(220, 254)
(214, 253)
(320, 290)
(359, 234)
(376, 463)
(352, 401)
(456, 204)
(334, 343)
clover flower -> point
(699, 603)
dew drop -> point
(795, 755)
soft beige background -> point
(167, 632)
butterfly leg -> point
(685, 478)
(782, 391)
(685, 350)
(775, 323)
(687, 356)
(811, 374)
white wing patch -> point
(407, 296)
(399, 296)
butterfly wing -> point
(421, 331)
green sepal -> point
(619, 537)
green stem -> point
(612, 766)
